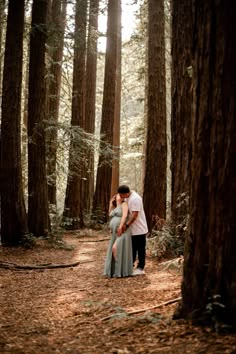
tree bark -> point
(13, 213)
(154, 196)
(38, 215)
(116, 128)
(56, 45)
(90, 108)
(104, 170)
(210, 257)
(73, 209)
(181, 92)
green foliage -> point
(29, 241)
(216, 313)
(80, 144)
(70, 223)
(165, 242)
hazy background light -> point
(128, 24)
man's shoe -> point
(138, 271)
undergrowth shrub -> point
(167, 240)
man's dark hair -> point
(123, 189)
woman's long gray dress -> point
(123, 265)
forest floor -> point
(78, 311)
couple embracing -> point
(128, 240)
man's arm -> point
(134, 216)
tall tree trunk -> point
(154, 196)
(13, 214)
(56, 43)
(90, 108)
(210, 258)
(181, 108)
(104, 170)
(73, 209)
(116, 128)
(38, 215)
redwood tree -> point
(181, 108)
(104, 170)
(56, 45)
(90, 98)
(38, 216)
(210, 258)
(116, 127)
(154, 195)
(73, 209)
(13, 214)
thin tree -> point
(181, 108)
(210, 260)
(154, 196)
(38, 216)
(104, 170)
(2, 17)
(90, 98)
(56, 45)
(73, 208)
(13, 213)
(116, 128)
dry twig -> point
(102, 240)
(146, 309)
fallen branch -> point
(14, 266)
(102, 240)
(146, 309)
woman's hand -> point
(119, 231)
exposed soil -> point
(66, 310)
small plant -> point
(215, 311)
(29, 241)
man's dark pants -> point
(139, 247)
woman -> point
(119, 254)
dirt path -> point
(65, 310)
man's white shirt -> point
(135, 203)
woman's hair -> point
(114, 203)
(123, 189)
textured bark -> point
(13, 214)
(104, 170)
(181, 92)
(210, 257)
(154, 196)
(90, 108)
(116, 128)
(73, 201)
(56, 43)
(38, 216)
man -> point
(138, 225)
